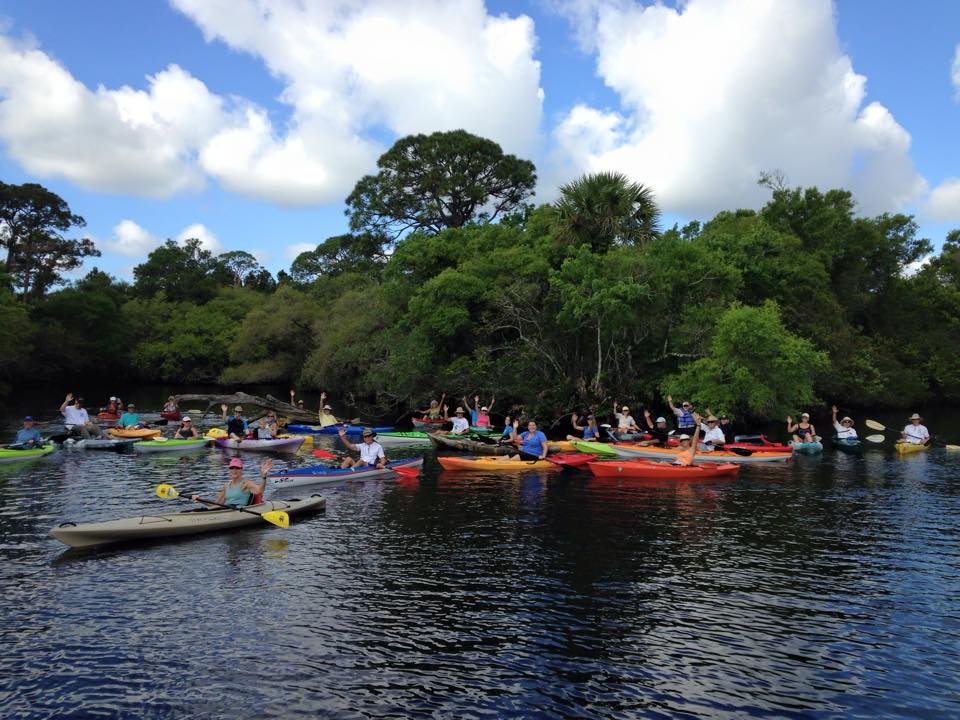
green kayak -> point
(9, 455)
(851, 447)
(593, 447)
(155, 446)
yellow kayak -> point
(905, 448)
(560, 446)
(134, 432)
(489, 464)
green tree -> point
(755, 366)
(605, 209)
(361, 253)
(244, 268)
(16, 338)
(33, 221)
(437, 181)
(181, 272)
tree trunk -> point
(242, 398)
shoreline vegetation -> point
(452, 278)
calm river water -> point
(827, 588)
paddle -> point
(874, 425)
(274, 517)
(875, 438)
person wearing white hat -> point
(844, 429)
(326, 415)
(625, 421)
(461, 426)
(803, 431)
(186, 431)
(713, 436)
(479, 416)
(915, 433)
(685, 420)
(659, 430)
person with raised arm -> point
(685, 421)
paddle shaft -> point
(225, 507)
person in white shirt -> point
(625, 421)
(915, 432)
(712, 434)
(844, 429)
(76, 419)
(461, 426)
(371, 452)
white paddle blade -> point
(874, 438)
(874, 425)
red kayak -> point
(107, 416)
(653, 470)
(572, 459)
(173, 415)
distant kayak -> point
(717, 456)
(161, 445)
(394, 439)
(463, 444)
(175, 415)
(428, 424)
(652, 470)
(486, 464)
(808, 448)
(107, 416)
(8, 455)
(587, 446)
(102, 444)
(335, 429)
(323, 474)
(175, 524)
(142, 433)
(284, 445)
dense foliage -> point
(758, 313)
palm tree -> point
(605, 209)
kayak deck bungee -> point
(321, 474)
(717, 456)
(807, 448)
(851, 447)
(175, 524)
(284, 445)
(489, 464)
(907, 448)
(126, 433)
(159, 445)
(8, 455)
(653, 470)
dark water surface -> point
(828, 588)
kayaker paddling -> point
(186, 431)
(238, 491)
(803, 431)
(589, 432)
(915, 433)
(844, 429)
(371, 452)
(532, 442)
(686, 422)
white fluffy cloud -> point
(208, 241)
(944, 202)
(131, 239)
(353, 71)
(291, 251)
(955, 72)
(717, 91)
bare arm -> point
(343, 438)
(646, 418)
(573, 421)
(66, 402)
(493, 399)
(670, 403)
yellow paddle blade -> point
(277, 517)
(167, 492)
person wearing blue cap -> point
(28, 436)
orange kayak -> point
(134, 432)
(653, 470)
(494, 464)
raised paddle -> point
(274, 517)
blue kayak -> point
(334, 429)
(319, 474)
(810, 448)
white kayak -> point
(176, 524)
(324, 474)
(158, 445)
(284, 445)
(98, 444)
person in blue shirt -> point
(237, 425)
(533, 443)
(130, 419)
(507, 431)
(590, 431)
(28, 436)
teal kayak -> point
(808, 448)
(851, 447)
(8, 455)
(392, 439)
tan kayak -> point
(175, 524)
(905, 448)
(134, 432)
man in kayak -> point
(236, 425)
(660, 432)
(532, 443)
(130, 419)
(625, 421)
(844, 429)
(186, 430)
(685, 420)
(371, 452)
(28, 437)
(915, 433)
(461, 425)
(713, 436)
(76, 419)
(326, 415)
(238, 491)
(590, 431)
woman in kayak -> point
(590, 431)
(170, 406)
(435, 411)
(803, 431)
(625, 421)
(237, 491)
(532, 443)
(687, 449)
(915, 433)
(371, 452)
(186, 431)
(844, 429)
(479, 416)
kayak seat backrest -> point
(256, 499)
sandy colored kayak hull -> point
(177, 524)
(489, 464)
(905, 448)
(159, 446)
(9, 456)
(283, 445)
(324, 474)
(653, 470)
(127, 433)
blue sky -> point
(265, 123)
